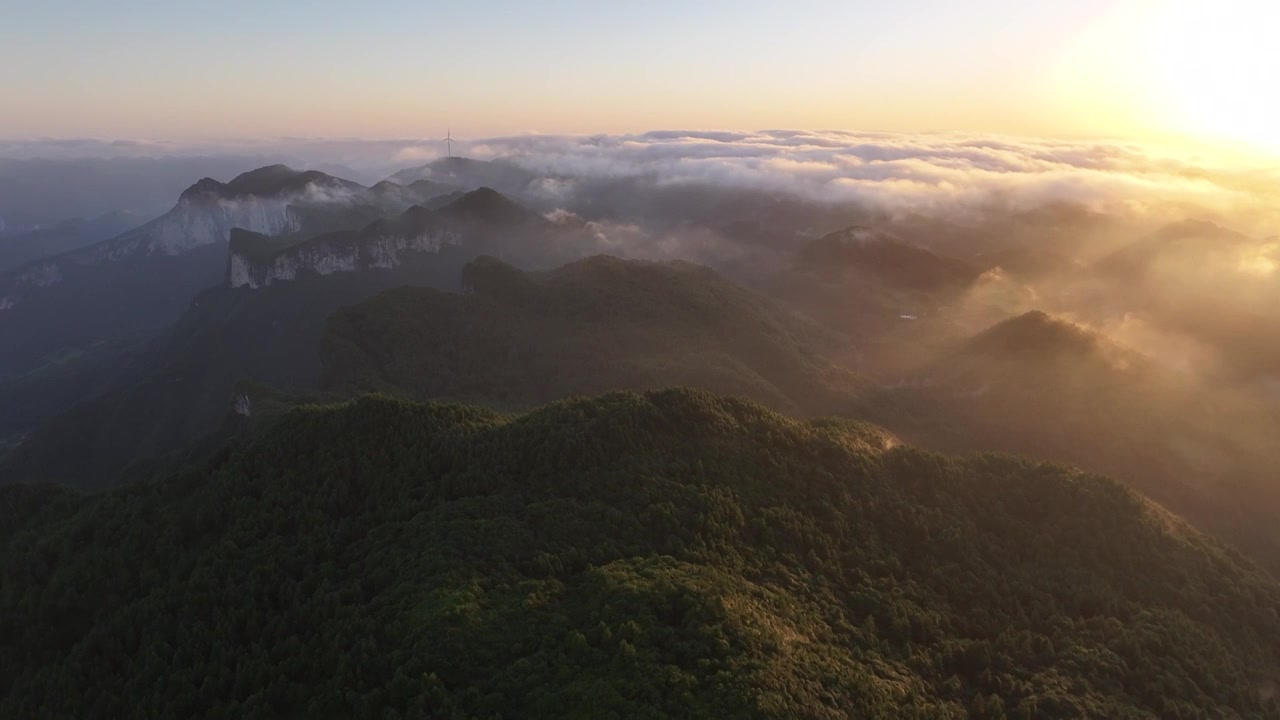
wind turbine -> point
(449, 141)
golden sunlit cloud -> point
(1261, 261)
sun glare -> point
(1186, 68)
(1215, 70)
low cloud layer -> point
(931, 172)
(908, 172)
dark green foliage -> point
(665, 555)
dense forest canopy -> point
(657, 555)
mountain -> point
(1197, 237)
(894, 261)
(672, 554)
(259, 200)
(74, 325)
(867, 284)
(140, 281)
(483, 219)
(461, 172)
(413, 193)
(1048, 388)
(46, 191)
(1205, 281)
(178, 391)
(360, 210)
(512, 339)
(517, 339)
(21, 248)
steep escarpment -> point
(269, 201)
(254, 263)
(482, 220)
(124, 290)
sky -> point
(177, 69)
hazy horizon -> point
(728, 359)
(1173, 72)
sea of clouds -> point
(910, 172)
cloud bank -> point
(927, 173)
(907, 172)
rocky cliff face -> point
(483, 219)
(265, 201)
(335, 253)
(204, 221)
(195, 222)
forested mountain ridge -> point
(517, 339)
(672, 554)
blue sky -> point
(147, 68)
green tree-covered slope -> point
(672, 554)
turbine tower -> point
(449, 141)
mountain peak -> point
(488, 205)
(1192, 237)
(276, 179)
(887, 256)
(463, 172)
(416, 212)
(1037, 333)
(203, 186)
(412, 221)
(267, 180)
(454, 163)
